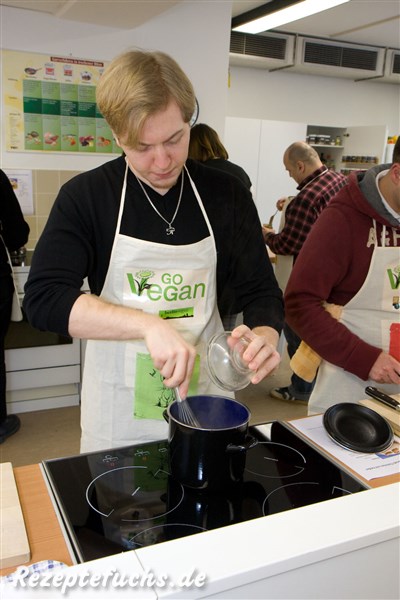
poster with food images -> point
(49, 104)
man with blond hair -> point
(159, 237)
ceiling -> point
(375, 22)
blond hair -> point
(136, 85)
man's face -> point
(295, 170)
(162, 150)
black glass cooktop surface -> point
(125, 499)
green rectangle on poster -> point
(87, 135)
(86, 109)
(69, 134)
(33, 105)
(50, 107)
(104, 137)
(33, 132)
(51, 133)
(31, 89)
(69, 91)
(51, 90)
(87, 93)
(68, 108)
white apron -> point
(373, 314)
(123, 396)
(283, 262)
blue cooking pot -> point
(211, 456)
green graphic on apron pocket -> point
(177, 313)
(151, 396)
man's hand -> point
(171, 355)
(260, 355)
(385, 369)
(266, 230)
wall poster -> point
(49, 104)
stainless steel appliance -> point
(125, 499)
(43, 369)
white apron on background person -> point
(373, 316)
(283, 262)
(123, 396)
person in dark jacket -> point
(14, 232)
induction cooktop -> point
(125, 498)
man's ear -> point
(116, 139)
(395, 173)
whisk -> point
(271, 219)
(185, 413)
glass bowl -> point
(224, 362)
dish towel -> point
(44, 566)
(305, 361)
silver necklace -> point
(170, 230)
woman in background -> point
(206, 147)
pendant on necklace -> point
(170, 230)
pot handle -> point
(248, 443)
(165, 415)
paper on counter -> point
(369, 466)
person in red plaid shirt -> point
(317, 185)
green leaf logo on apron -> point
(151, 395)
(139, 285)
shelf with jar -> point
(357, 163)
(328, 142)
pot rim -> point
(246, 421)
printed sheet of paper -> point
(369, 466)
(21, 181)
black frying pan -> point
(357, 427)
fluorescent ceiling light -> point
(280, 12)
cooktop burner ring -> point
(92, 485)
(296, 469)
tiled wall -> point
(46, 185)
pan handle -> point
(249, 442)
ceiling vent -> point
(263, 51)
(336, 59)
(392, 67)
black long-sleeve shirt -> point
(78, 237)
(13, 227)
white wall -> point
(196, 34)
(287, 98)
(311, 99)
